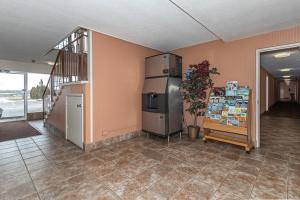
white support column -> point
(25, 95)
(267, 93)
(90, 77)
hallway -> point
(280, 139)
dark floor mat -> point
(15, 130)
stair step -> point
(55, 99)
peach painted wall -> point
(86, 100)
(118, 77)
(263, 75)
(272, 90)
(236, 60)
(57, 116)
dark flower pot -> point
(193, 132)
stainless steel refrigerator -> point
(162, 104)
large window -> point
(36, 87)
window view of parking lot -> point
(36, 86)
(12, 94)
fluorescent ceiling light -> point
(285, 70)
(286, 76)
(282, 54)
(50, 63)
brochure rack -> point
(228, 118)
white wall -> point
(25, 67)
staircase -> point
(70, 66)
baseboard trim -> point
(93, 146)
(55, 131)
(112, 140)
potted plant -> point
(194, 92)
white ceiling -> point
(235, 19)
(9, 65)
(28, 29)
(273, 65)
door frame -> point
(257, 94)
(267, 93)
(82, 115)
(25, 95)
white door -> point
(74, 119)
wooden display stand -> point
(241, 136)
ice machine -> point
(162, 106)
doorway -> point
(275, 74)
(74, 119)
(21, 104)
(12, 95)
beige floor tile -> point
(147, 168)
(238, 183)
(195, 189)
(164, 188)
(19, 191)
(150, 195)
(294, 194)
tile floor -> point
(48, 167)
